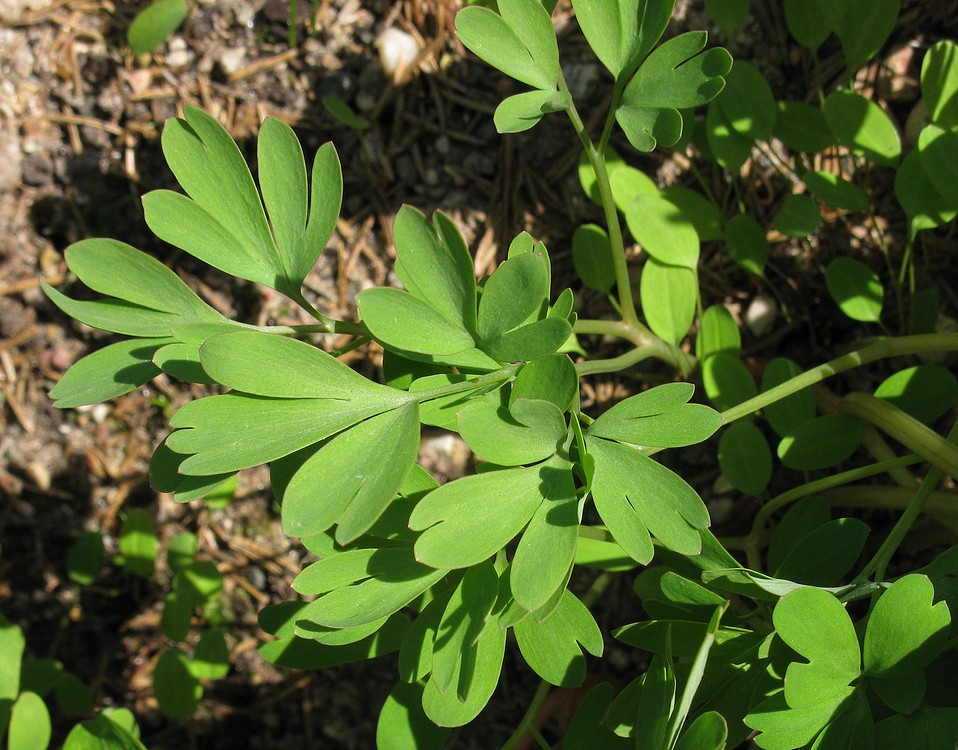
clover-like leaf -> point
(519, 40)
(676, 75)
(470, 519)
(337, 485)
(552, 378)
(906, 630)
(551, 647)
(223, 221)
(660, 417)
(814, 623)
(510, 434)
(638, 497)
(547, 547)
(623, 32)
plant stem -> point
(643, 339)
(597, 159)
(529, 719)
(881, 349)
(879, 562)
(490, 378)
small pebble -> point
(760, 315)
(397, 53)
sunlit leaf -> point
(745, 458)
(856, 289)
(863, 127)
(669, 294)
(939, 83)
(155, 24)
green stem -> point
(881, 349)
(877, 565)
(330, 326)
(643, 339)
(529, 719)
(597, 160)
(614, 364)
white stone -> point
(760, 315)
(397, 52)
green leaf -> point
(676, 75)
(718, 332)
(592, 256)
(728, 147)
(211, 657)
(939, 83)
(344, 113)
(622, 32)
(177, 691)
(302, 222)
(826, 554)
(470, 519)
(115, 315)
(925, 391)
(928, 728)
(551, 647)
(709, 731)
(514, 295)
(906, 631)
(627, 184)
(836, 191)
(727, 381)
(546, 550)
(110, 372)
(402, 321)
(729, 14)
(745, 458)
(784, 728)
(748, 103)
(434, 265)
(165, 476)
(863, 127)
(918, 196)
(747, 243)
(463, 620)
(40, 676)
(528, 342)
(798, 216)
(520, 112)
(85, 558)
(814, 623)
(520, 42)
(936, 148)
(138, 542)
(786, 414)
(636, 497)
(101, 733)
(856, 289)
(30, 727)
(656, 703)
(660, 417)
(802, 127)
(805, 24)
(522, 432)
(663, 231)
(363, 585)
(177, 616)
(669, 295)
(588, 730)
(181, 551)
(552, 378)
(800, 520)
(481, 665)
(222, 222)
(155, 24)
(73, 696)
(403, 725)
(338, 486)
(866, 28)
(821, 442)
(118, 270)
(697, 209)
(200, 582)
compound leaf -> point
(551, 647)
(470, 519)
(906, 630)
(660, 417)
(338, 485)
(522, 432)
(636, 497)
(402, 321)
(514, 295)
